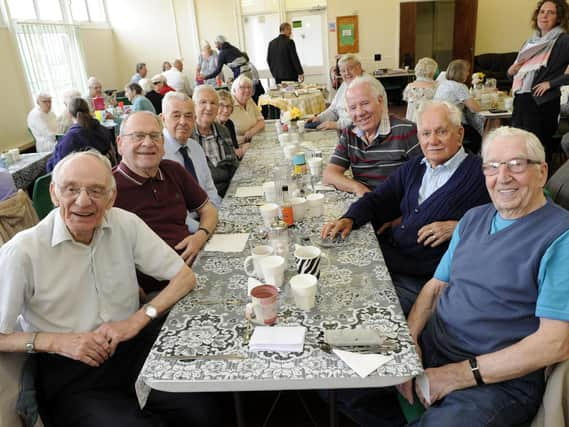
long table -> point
(355, 291)
(28, 168)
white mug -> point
(264, 306)
(308, 258)
(304, 288)
(257, 253)
(269, 211)
(315, 165)
(269, 191)
(273, 268)
(315, 202)
(298, 207)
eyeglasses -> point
(141, 136)
(73, 192)
(513, 165)
(440, 132)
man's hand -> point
(342, 226)
(191, 246)
(312, 119)
(540, 88)
(329, 124)
(91, 348)
(301, 78)
(359, 189)
(446, 379)
(436, 233)
(116, 332)
(406, 389)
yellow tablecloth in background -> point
(309, 103)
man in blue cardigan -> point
(429, 193)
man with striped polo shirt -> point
(375, 145)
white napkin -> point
(423, 382)
(322, 187)
(278, 338)
(249, 191)
(234, 242)
(363, 364)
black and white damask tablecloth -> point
(354, 291)
(28, 168)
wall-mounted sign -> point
(347, 34)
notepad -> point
(278, 338)
(249, 191)
(233, 242)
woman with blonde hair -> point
(423, 88)
(246, 116)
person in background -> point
(214, 138)
(178, 80)
(139, 102)
(453, 89)
(64, 121)
(166, 66)
(336, 116)
(430, 193)
(141, 72)
(178, 117)
(282, 57)
(85, 133)
(42, 123)
(7, 185)
(161, 192)
(96, 91)
(69, 295)
(422, 89)
(540, 69)
(375, 145)
(223, 117)
(246, 116)
(231, 56)
(160, 85)
(153, 96)
(207, 62)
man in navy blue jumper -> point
(430, 193)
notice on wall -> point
(347, 34)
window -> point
(87, 11)
(22, 9)
(49, 10)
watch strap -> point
(476, 371)
(31, 344)
(205, 230)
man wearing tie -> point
(178, 117)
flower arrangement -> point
(291, 115)
(478, 78)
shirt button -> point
(416, 210)
(402, 226)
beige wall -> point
(503, 25)
(100, 55)
(16, 101)
(216, 17)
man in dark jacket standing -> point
(282, 57)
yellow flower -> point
(295, 113)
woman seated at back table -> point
(133, 92)
(246, 116)
(86, 132)
(453, 89)
(423, 88)
(430, 193)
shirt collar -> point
(451, 163)
(214, 131)
(125, 171)
(61, 234)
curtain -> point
(52, 59)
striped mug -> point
(308, 258)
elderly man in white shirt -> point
(69, 293)
(42, 123)
(175, 79)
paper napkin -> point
(249, 191)
(423, 382)
(363, 364)
(233, 242)
(278, 338)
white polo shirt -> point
(51, 283)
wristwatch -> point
(150, 311)
(31, 344)
(476, 371)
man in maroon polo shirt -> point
(159, 191)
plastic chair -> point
(410, 412)
(40, 196)
(124, 100)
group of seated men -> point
(484, 284)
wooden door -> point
(465, 12)
(407, 24)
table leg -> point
(238, 404)
(333, 414)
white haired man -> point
(42, 123)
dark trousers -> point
(542, 120)
(73, 394)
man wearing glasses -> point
(430, 193)
(160, 191)
(496, 311)
(69, 294)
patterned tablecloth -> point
(309, 103)
(355, 290)
(28, 168)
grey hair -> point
(426, 67)
(59, 168)
(220, 39)
(454, 114)
(238, 81)
(534, 147)
(203, 88)
(375, 86)
(147, 113)
(92, 81)
(42, 95)
(347, 58)
(69, 94)
(140, 66)
(172, 95)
